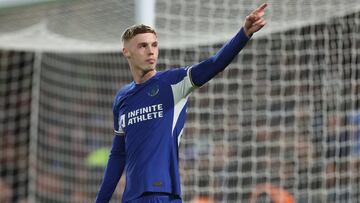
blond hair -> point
(131, 31)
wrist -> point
(246, 32)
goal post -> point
(145, 12)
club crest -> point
(154, 90)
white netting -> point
(83, 25)
(15, 101)
(284, 113)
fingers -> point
(260, 22)
(255, 20)
(256, 26)
(250, 18)
(257, 13)
(261, 8)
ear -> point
(126, 52)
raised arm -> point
(209, 68)
(113, 171)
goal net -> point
(281, 123)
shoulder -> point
(174, 75)
(125, 89)
(122, 92)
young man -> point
(149, 114)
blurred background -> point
(280, 124)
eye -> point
(142, 45)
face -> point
(142, 52)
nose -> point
(150, 50)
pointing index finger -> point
(261, 8)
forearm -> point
(209, 68)
(113, 171)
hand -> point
(255, 21)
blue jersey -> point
(151, 116)
(148, 123)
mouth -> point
(151, 61)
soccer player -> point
(149, 114)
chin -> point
(149, 69)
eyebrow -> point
(142, 43)
(145, 43)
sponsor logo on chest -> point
(142, 114)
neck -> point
(141, 76)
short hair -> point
(134, 30)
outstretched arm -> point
(209, 68)
(113, 171)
